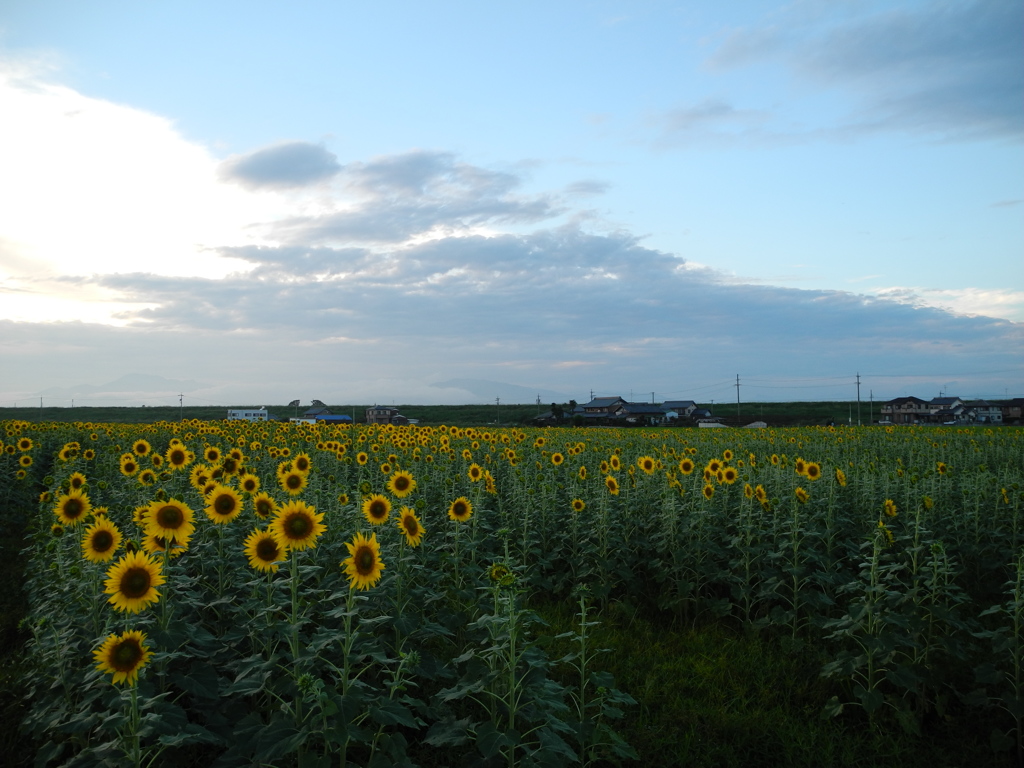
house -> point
(316, 411)
(985, 412)
(248, 414)
(905, 410)
(639, 413)
(1012, 410)
(601, 409)
(684, 408)
(383, 414)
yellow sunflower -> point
(223, 504)
(578, 505)
(129, 465)
(615, 463)
(582, 473)
(401, 484)
(812, 470)
(709, 491)
(249, 484)
(100, 541)
(142, 448)
(890, 508)
(460, 510)
(293, 482)
(25, 444)
(362, 458)
(363, 566)
(410, 526)
(376, 509)
(25, 460)
(264, 551)
(154, 544)
(211, 454)
(297, 525)
(263, 505)
(476, 472)
(801, 495)
(729, 475)
(178, 456)
(840, 477)
(557, 459)
(132, 581)
(123, 656)
(171, 520)
(612, 484)
(72, 507)
(647, 464)
(147, 477)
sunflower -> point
(840, 477)
(726, 455)
(775, 459)
(714, 465)
(410, 526)
(263, 505)
(223, 504)
(647, 464)
(170, 519)
(376, 509)
(729, 475)
(123, 656)
(211, 454)
(748, 490)
(297, 525)
(343, 499)
(362, 458)
(476, 472)
(72, 507)
(686, 466)
(179, 457)
(760, 493)
(129, 465)
(301, 463)
(57, 529)
(155, 545)
(401, 484)
(264, 551)
(612, 484)
(578, 505)
(147, 477)
(100, 541)
(142, 448)
(293, 482)
(249, 483)
(363, 566)
(941, 468)
(890, 508)
(460, 510)
(557, 459)
(812, 470)
(25, 460)
(615, 463)
(132, 581)
(800, 466)
(801, 495)
(709, 491)
(582, 473)
(25, 444)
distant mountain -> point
(509, 393)
(129, 384)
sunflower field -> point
(240, 594)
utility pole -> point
(871, 406)
(858, 400)
(737, 397)
(181, 407)
(538, 403)
(497, 410)
(652, 398)
(712, 406)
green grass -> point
(713, 696)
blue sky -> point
(452, 202)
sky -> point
(457, 202)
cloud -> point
(282, 166)
(947, 70)
(397, 197)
